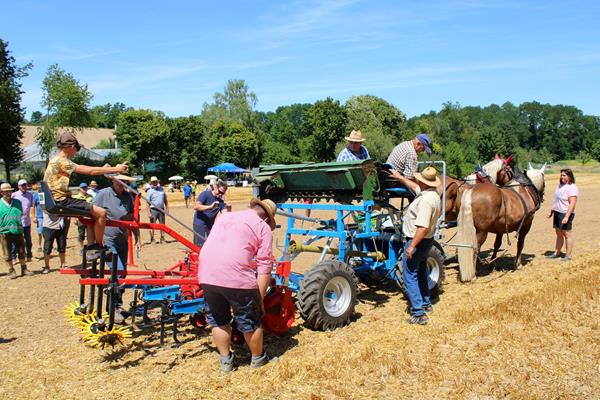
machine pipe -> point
(310, 248)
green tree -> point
(456, 163)
(11, 112)
(584, 157)
(105, 116)
(144, 135)
(108, 143)
(326, 122)
(189, 137)
(36, 118)
(596, 150)
(66, 102)
(236, 103)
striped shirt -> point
(404, 159)
(349, 155)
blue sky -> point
(173, 56)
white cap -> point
(22, 182)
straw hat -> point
(269, 207)
(6, 187)
(154, 179)
(355, 136)
(428, 177)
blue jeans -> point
(416, 276)
(28, 244)
(120, 249)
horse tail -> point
(466, 236)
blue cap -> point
(424, 139)
(83, 185)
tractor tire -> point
(435, 266)
(327, 295)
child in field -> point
(58, 175)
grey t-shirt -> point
(52, 221)
(118, 207)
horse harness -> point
(524, 181)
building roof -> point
(88, 137)
(32, 154)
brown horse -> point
(496, 172)
(490, 209)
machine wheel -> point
(327, 295)
(437, 273)
(279, 310)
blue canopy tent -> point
(228, 168)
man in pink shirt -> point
(235, 271)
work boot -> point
(26, 272)
(12, 274)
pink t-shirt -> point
(560, 202)
(236, 239)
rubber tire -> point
(310, 294)
(436, 256)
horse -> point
(490, 209)
(497, 172)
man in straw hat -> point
(418, 227)
(354, 149)
(405, 157)
(229, 281)
(11, 230)
(58, 175)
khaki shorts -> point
(5, 243)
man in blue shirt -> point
(354, 149)
(157, 201)
(187, 193)
(208, 205)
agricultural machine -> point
(355, 229)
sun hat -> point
(83, 185)
(355, 136)
(68, 139)
(269, 207)
(428, 177)
(21, 182)
(424, 139)
(6, 187)
(154, 179)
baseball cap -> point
(424, 139)
(67, 139)
(22, 182)
(83, 185)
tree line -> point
(231, 129)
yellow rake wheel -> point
(104, 338)
(76, 313)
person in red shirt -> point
(234, 271)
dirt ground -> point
(531, 333)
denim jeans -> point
(120, 249)
(28, 244)
(416, 276)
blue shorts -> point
(557, 221)
(245, 304)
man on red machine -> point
(58, 175)
(231, 283)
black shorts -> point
(78, 204)
(245, 304)
(50, 235)
(557, 222)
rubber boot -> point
(12, 274)
(26, 272)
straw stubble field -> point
(533, 333)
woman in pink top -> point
(563, 210)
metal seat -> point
(52, 208)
